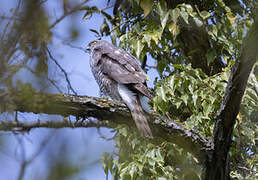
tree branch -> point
(107, 112)
(27, 126)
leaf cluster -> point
(191, 97)
(137, 158)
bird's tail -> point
(141, 121)
(132, 101)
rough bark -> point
(107, 113)
(218, 167)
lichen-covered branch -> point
(108, 113)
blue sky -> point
(84, 146)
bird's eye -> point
(93, 42)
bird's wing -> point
(121, 73)
(123, 68)
(122, 57)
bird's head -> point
(93, 44)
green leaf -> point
(104, 28)
(162, 10)
(171, 81)
(185, 98)
(198, 22)
(179, 66)
(164, 20)
(174, 29)
(151, 153)
(210, 55)
(174, 14)
(184, 15)
(147, 38)
(139, 48)
(123, 131)
(159, 155)
(133, 171)
(151, 162)
(205, 14)
(161, 93)
(195, 96)
(146, 5)
(256, 88)
(87, 15)
(105, 162)
(178, 103)
(96, 32)
(206, 108)
(89, 11)
(157, 34)
(231, 18)
(213, 99)
(252, 94)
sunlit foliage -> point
(193, 44)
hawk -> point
(121, 78)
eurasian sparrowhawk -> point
(121, 78)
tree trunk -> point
(218, 160)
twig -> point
(9, 18)
(25, 163)
(68, 13)
(62, 69)
(104, 137)
(27, 126)
(50, 80)
(73, 46)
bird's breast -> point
(107, 85)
